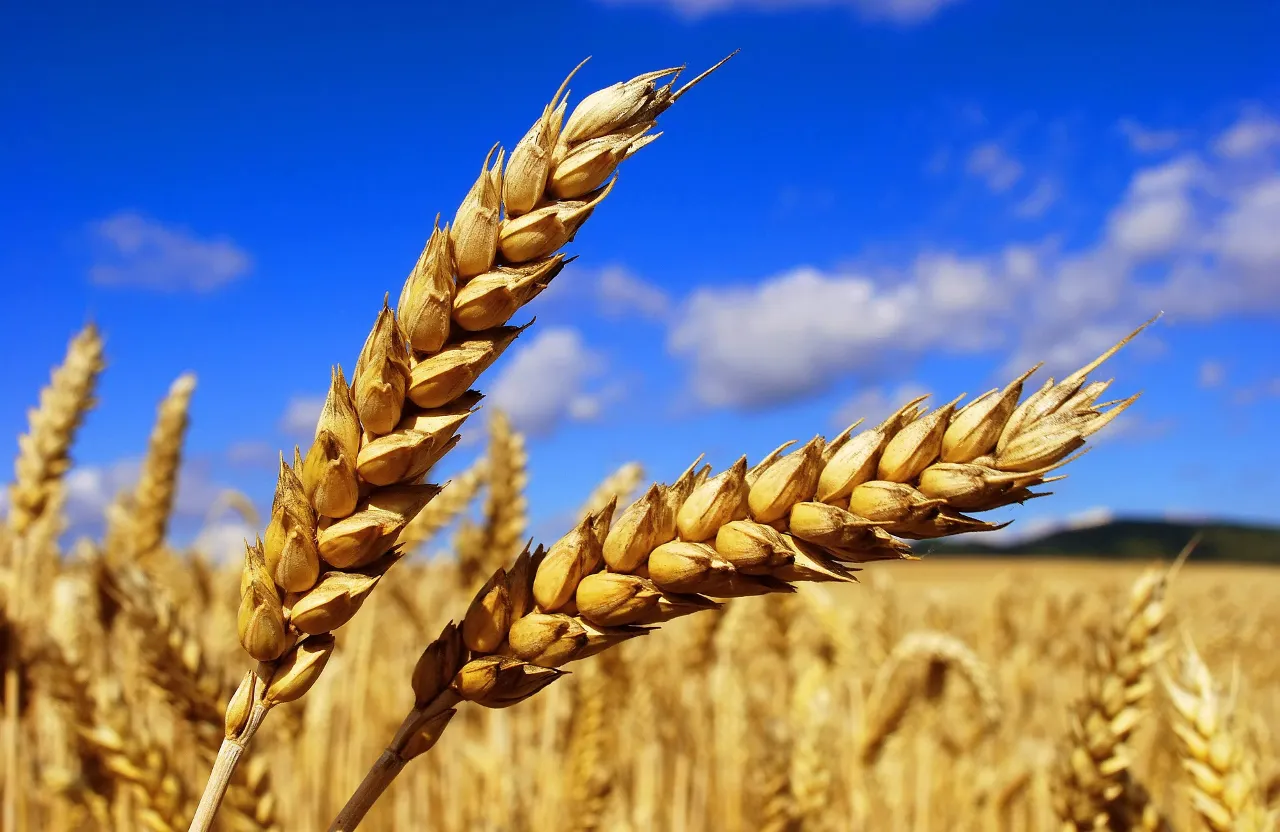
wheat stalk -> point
(798, 516)
(360, 484)
(1224, 783)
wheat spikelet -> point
(1224, 783)
(1094, 785)
(360, 484)
(43, 452)
(802, 516)
(158, 481)
(620, 486)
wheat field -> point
(809, 672)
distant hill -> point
(1139, 539)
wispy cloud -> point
(993, 165)
(134, 251)
(1042, 197)
(1148, 140)
(893, 11)
(1254, 133)
(623, 295)
(300, 415)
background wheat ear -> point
(1223, 774)
(1095, 782)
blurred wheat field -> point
(757, 717)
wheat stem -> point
(392, 761)
(224, 767)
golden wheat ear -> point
(344, 505)
(811, 514)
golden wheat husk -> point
(35, 515)
(811, 514)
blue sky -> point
(875, 198)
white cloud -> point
(1191, 236)
(1156, 214)
(622, 294)
(1253, 134)
(1212, 374)
(224, 541)
(894, 11)
(252, 453)
(91, 489)
(1147, 140)
(550, 380)
(994, 166)
(873, 404)
(791, 334)
(135, 251)
(301, 414)
(1041, 199)
(1249, 234)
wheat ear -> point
(44, 451)
(158, 482)
(497, 541)
(891, 694)
(1224, 783)
(798, 516)
(1094, 786)
(361, 482)
(44, 456)
(620, 487)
